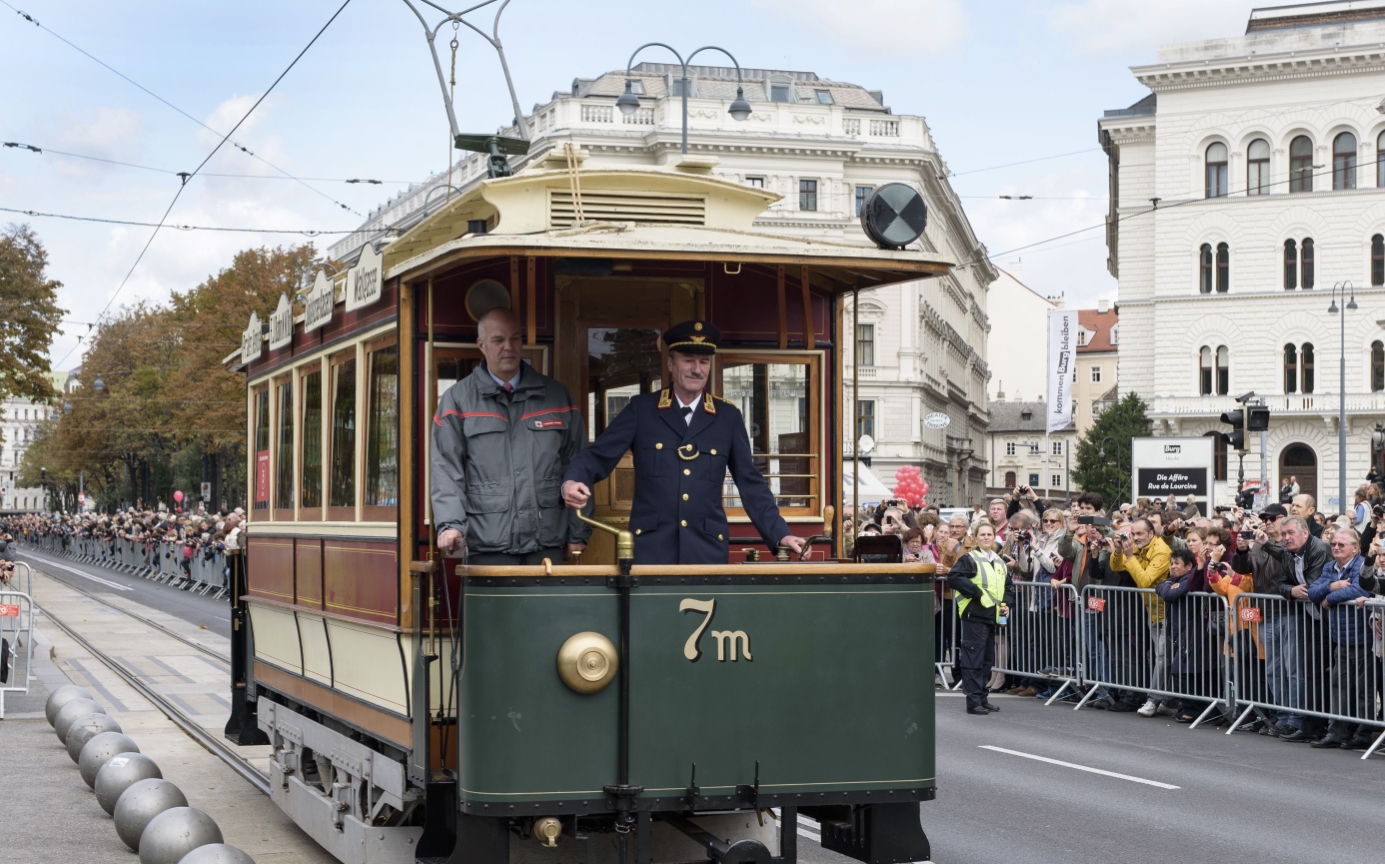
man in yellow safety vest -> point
(985, 591)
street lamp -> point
(99, 385)
(1342, 392)
(629, 103)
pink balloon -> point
(178, 496)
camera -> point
(1222, 508)
(1247, 535)
(1093, 520)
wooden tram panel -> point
(341, 612)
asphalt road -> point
(1235, 798)
(121, 588)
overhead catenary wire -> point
(204, 162)
(49, 150)
(308, 232)
(132, 81)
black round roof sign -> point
(894, 215)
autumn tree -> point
(1104, 451)
(29, 315)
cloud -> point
(1103, 28)
(109, 133)
(890, 26)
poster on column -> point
(1062, 345)
(1174, 466)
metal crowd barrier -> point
(160, 561)
(17, 631)
(1039, 641)
(1314, 662)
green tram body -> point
(788, 687)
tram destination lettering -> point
(1172, 481)
(281, 324)
(364, 282)
(317, 306)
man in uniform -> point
(683, 440)
(502, 438)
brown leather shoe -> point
(1028, 691)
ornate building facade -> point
(823, 146)
(1245, 186)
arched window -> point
(1380, 161)
(1344, 161)
(1218, 455)
(1290, 368)
(1216, 170)
(1204, 379)
(1290, 265)
(1204, 283)
(1378, 260)
(1258, 167)
(1305, 355)
(1223, 371)
(1223, 268)
(1306, 279)
(1301, 164)
(1377, 366)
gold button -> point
(719, 537)
(639, 530)
(685, 496)
(687, 471)
(659, 446)
(684, 523)
(714, 451)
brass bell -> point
(588, 662)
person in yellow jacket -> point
(984, 590)
(1144, 557)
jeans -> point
(1158, 657)
(1096, 649)
(1349, 688)
(1280, 638)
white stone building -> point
(1018, 343)
(822, 145)
(1018, 452)
(1244, 187)
(19, 421)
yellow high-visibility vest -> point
(990, 578)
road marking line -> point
(809, 835)
(105, 582)
(1080, 767)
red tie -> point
(507, 387)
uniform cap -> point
(692, 337)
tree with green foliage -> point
(1103, 452)
(29, 315)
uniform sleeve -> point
(595, 463)
(960, 576)
(574, 439)
(756, 497)
(449, 473)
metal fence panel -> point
(17, 631)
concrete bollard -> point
(69, 713)
(100, 750)
(87, 727)
(119, 774)
(139, 804)
(60, 697)
(172, 834)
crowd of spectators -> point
(1315, 650)
(183, 536)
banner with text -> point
(1062, 347)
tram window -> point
(382, 435)
(283, 452)
(779, 405)
(342, 484)
(311, 483)
(261, 398)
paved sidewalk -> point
(49, 813)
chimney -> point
(1103, 306)
(1016, 268)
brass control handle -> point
(625, 541)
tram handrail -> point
(814, 568)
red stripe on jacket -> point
(549, 411)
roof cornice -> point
(1256, 69)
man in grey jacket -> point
(502, 438)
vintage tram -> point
(422, 709)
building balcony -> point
(1324, 406)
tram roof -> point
(672, 215)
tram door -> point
(606, 352)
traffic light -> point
(1237, 436)
(1257, 418)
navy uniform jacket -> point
(677, 515)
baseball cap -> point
(1276, 511)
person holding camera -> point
(1144, 558)
(985, 590)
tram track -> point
(209, 740)
(191, 643)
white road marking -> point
(105, 582)
(1080, 767)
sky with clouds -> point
(1000, 81)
